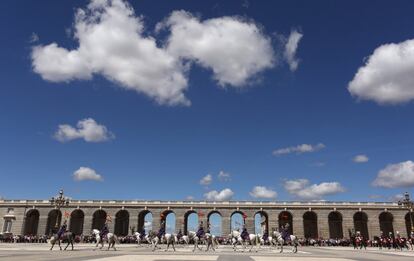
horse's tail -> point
(116, 240)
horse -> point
(236, 238)
(110, 237)
(169, 238)
(68, 236)
(268, 239)
(211, 241)
(279, 240)
(139, 240)
(193, 236)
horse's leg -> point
(53, 244)
(59, 244)
(281, 246)
(67, 244)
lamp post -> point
(59, 202)
(408, 204)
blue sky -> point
(147, 142)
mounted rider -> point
(105, 230)
(244, 234)
(208, 227)
(265, 236)
(179, 235)
(161, 232)
(285, 232)
(142, 234)
(62, 229)
(200, 231)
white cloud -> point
(214, 195)
(34, 38)
(206, 180)
(387, 75)
(396, 175)
(360, 158)
(233, 48)
(189, 198)
(87, 129)
(263, 192)
(85, 173)
(299, 149)
(302, 189)
(224, 176)
(291, 47)
(113, 42)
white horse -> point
(193, 236)
(139, 240)
(110, 238)
(237, 239)
(263, 241)
(279, 239)
(211, 241)
(170, 239)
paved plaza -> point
(39, 252)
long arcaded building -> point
(307, 219)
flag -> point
(244, 216)
(66, 215)
(200, 214)
(108, 218)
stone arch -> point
(386, 220)
(169, 217)
(285, 217)
(77, 218)
(98, 219)
(310, 224)
(237, 220)
(121, 223)
(54, 218)
(361, 223)
(31, 223)
(191, 216)
(335, 225)
(145, 221)
(408, 222)
(261, 222)
(214, 218)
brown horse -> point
(68, 236)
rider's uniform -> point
(104, 231)
(200, 232)
(245, 234)
(62, 230)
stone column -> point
(323, 222)
(43, 216)
(133, 220)
(225, 222)
(273, 219)
(298, 222)
(399, 221)
(373, 222)
(87, 221)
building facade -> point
(306, 219)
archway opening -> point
(31, 222)
(99, 219)
(168, 217)
(335, 225)
(215, 221)
(76, 222)
(145, 221)
(261, 223)
(121, 223)
(285, 217)
(409, 223)
(310, 225)
(386, 220)
(361, 223)
(236, 221)
(190, 221)
(54, 218)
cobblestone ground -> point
(37, 252)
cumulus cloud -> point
(224, 176)
(291, 47)
(113, 42)
(396, 175)
(299, 149)
(85, 173)
(387, 75)
(360, 158)
(233, 48)
(87, 129)
(302, 189)
(263, 192)
(214, 195)
(206, 180)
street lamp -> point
(408, 204)
(59, 202)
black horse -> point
(67, 236)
